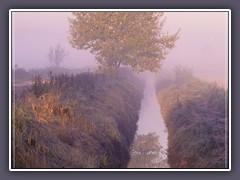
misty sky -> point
(202, 45)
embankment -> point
(196, 118)
(82, 121)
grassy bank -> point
(195, 115)
(82, 121)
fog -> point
(35, 32)
(150, 119)
(202, 45)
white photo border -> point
(134, 10)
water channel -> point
(149, 149)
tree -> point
(56, 55)
(134, 39)
(183, 74)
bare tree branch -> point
(56, 55)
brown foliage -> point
(83, 121)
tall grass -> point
(196, 116)
(82, 121)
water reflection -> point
(147, 152)
(150, 117)
(149, 149)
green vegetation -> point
(196, 118)
(82, 121)
(133, 39)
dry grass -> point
(195, 114)
(83, 121)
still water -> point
(149, 149)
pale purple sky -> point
(202, 45)
(34, 33)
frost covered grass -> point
(196, 116)
(82, 121)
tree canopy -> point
(134, 39)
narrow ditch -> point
(149, 149)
